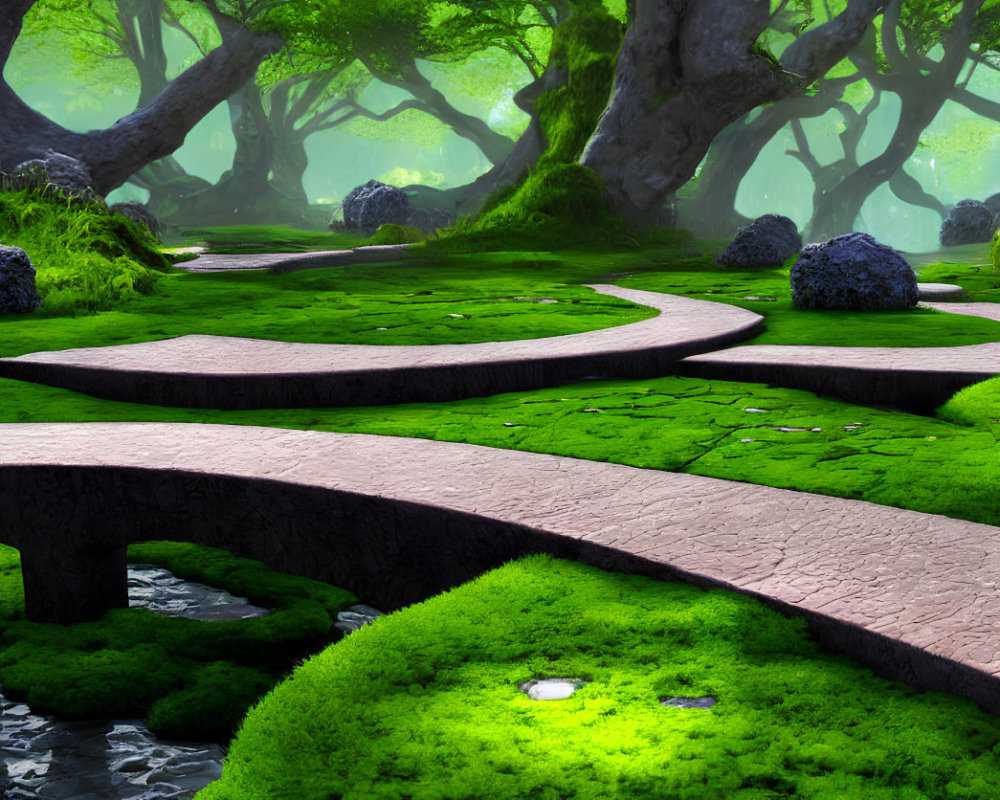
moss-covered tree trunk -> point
(687, 69)
(152, 132)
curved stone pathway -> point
(911, 594)
(280, 263)
(236, 373)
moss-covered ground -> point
(425, 704)
(440, 299)
(190, 679)
(716, 428)
(86, 259)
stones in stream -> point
(161, 591)
(41, 759)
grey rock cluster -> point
(852, 272)
(970, 221)
(356, 617)
(139, 214)
(17, 282)
(368, 207)
(769, 240)
(68, 174)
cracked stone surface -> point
(394, 519)
(226, 372)
(912, 378)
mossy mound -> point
(976, 405)
(556, 206)
(395, 234)
(86, 258)
(193, 679)
(425, 703)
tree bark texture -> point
(921, 97)
(686, 70)
(152, 132)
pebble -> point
(551, 688)
(689, 702)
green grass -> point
(678, 424)
(190, 679)
(489, 298)
(86, 259)
(701, 278)
(425, 704)
(263, 239)
(440, 299)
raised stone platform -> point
(233, 373)
(942, 292)
(917, 379)
(912, 595)
(279, 263)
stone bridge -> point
(912, 595)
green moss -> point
(766, 291)
(559, 203)
(194, 679)
(86, 259)
(584, 48)
(995, 252)
(425, 703)
(679, 424)
(977, 405)
(490, 297)
(395, 234)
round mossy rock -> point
(852, 272)
(17, 282)
(968, 222)
(768, 241)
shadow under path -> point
(912, 595)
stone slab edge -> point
(909, 594)
(489, 369)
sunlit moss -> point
(425, 703)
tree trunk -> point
(155, 131)
(687, 68)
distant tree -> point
(893, 58)
(686, 70)
(153, 131)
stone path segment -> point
(917, 379)
(279, 263)
(393, 519)
(235, 373)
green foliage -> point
(86, 259)
(264, 239)
(425, 703)
(195, 679)
(995, 252)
